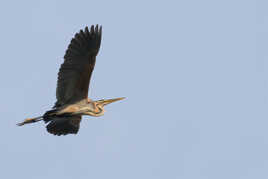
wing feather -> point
(64, 125)
(79, 61)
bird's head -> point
(98, 106)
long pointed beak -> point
(108, 101)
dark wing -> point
(79, 61)
(64, 125)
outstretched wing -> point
(79, 61)
(64, 125)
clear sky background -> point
(194, 72)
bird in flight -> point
(72, 86)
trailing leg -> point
(30, 120)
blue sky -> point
(194, 74)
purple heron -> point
(72, 86)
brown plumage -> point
(72, 86)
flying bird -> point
(72, 86)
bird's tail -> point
(30, 120)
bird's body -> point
(72, 87)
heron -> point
(73, 84)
